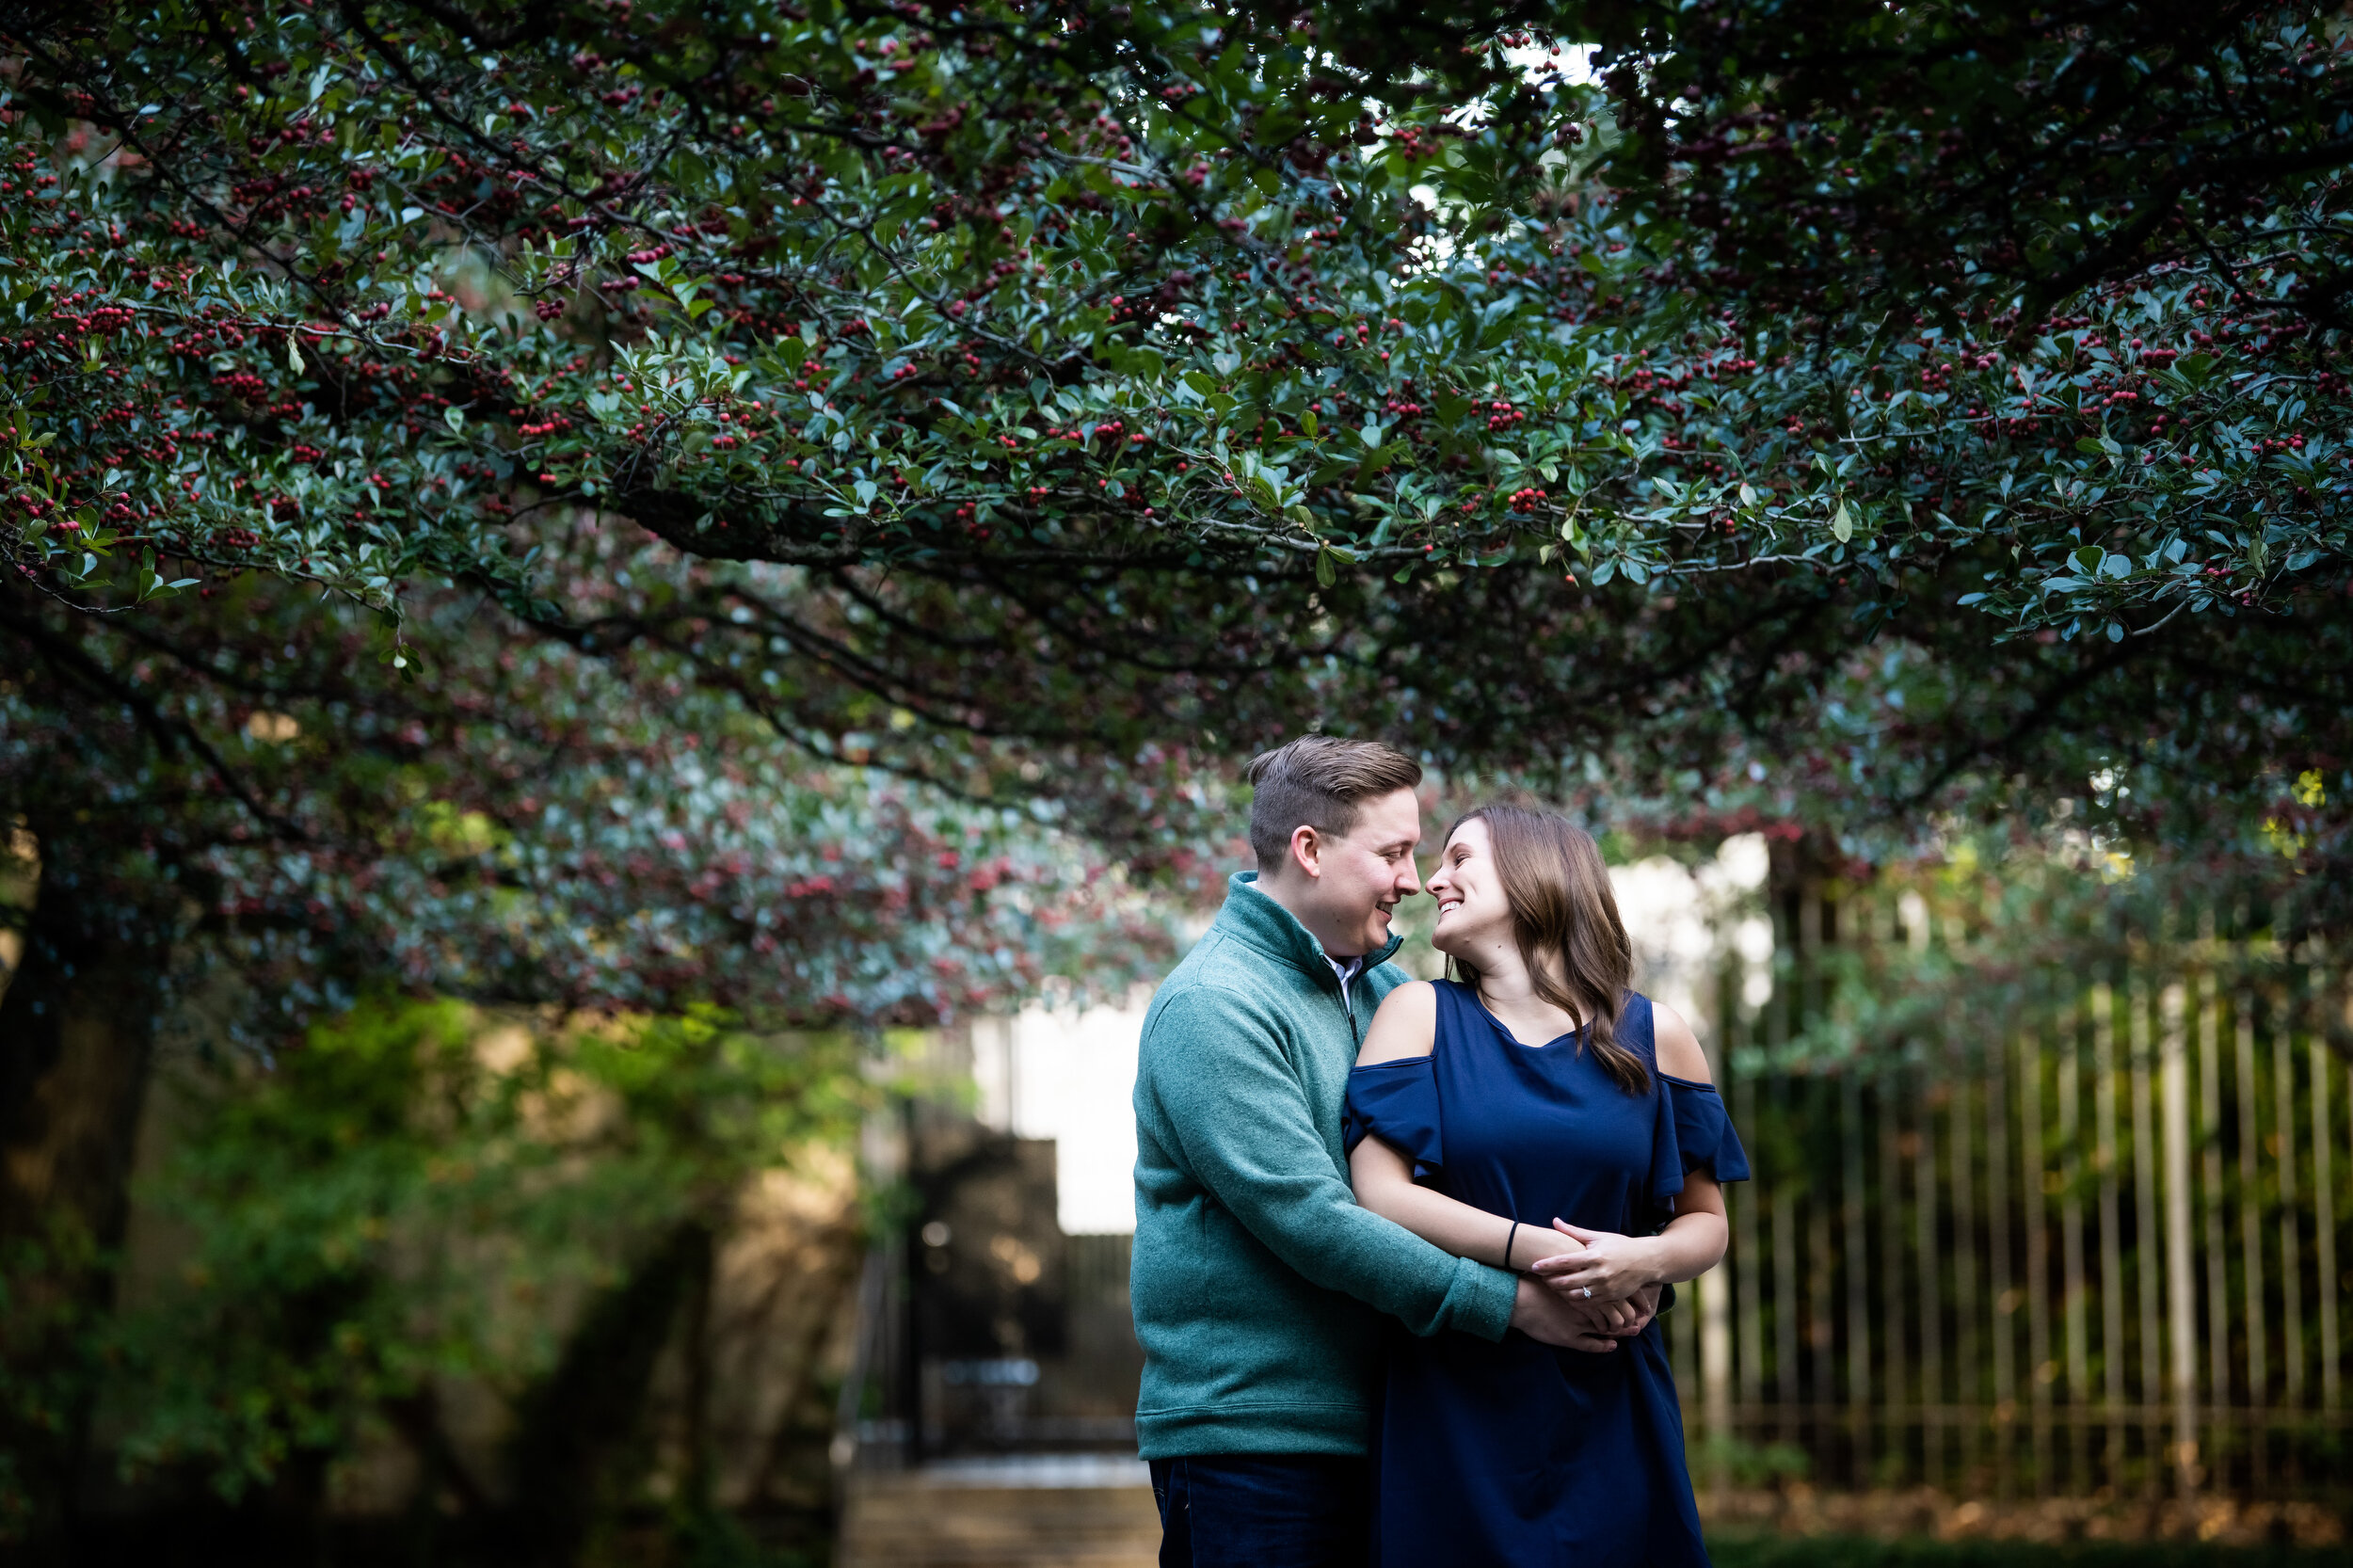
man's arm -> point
(1245, 1128)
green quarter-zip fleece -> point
(1257, 1281)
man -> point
(1258, 1280)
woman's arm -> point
(1614, 1267)
(1404, 1028)
(1385, 1184)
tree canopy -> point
(1060, 374)
(1746, 410)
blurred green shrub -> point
(424, 1193)
(1750, 1465)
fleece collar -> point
(1254, 916)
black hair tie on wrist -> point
(1509, 1237)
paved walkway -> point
(1041, 1511)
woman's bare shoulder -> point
(1680, 1054)
(1405, 1026)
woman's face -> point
(1472, 911)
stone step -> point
(1046, 1512)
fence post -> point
(2323, 1214)
(1893, 1381)
(2180, 1282)
(2104, 1157)
(1787, 1389)
(2291, 1245)
(2146, 1265)
(1968, 1310)
(2217, 1243)
(2037, 1198)
(1714, 1289)
(2072, 1254)
(1932, 1443)
(2005, 1299)
(1748, 1259)
(1858, 1271)
(2251, 1242)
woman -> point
(1537, 1116)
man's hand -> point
(1550, 1321)
(1624, 1319)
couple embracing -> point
(1399, 1245)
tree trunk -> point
(579, 1451)
(76, 1038)
(77, 1031)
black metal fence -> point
(2101, 1252)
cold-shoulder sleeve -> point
(1690, 1131)
(1697, 1134)
(1397, 1102)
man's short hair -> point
(1318, 781)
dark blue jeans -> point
(1264, 1511)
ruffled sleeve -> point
(1693, 1132)
(1398, 1102)
(1702, 1133)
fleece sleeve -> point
(1240, 1117)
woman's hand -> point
(1604, 1267)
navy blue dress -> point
(1517, 1453)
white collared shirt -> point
(1347, 970)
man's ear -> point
(1307, 851)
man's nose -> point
(1408, 878)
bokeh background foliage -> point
(462, 1255)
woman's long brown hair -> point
(1565, 920)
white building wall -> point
(1066, 1074)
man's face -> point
(1361, 875)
